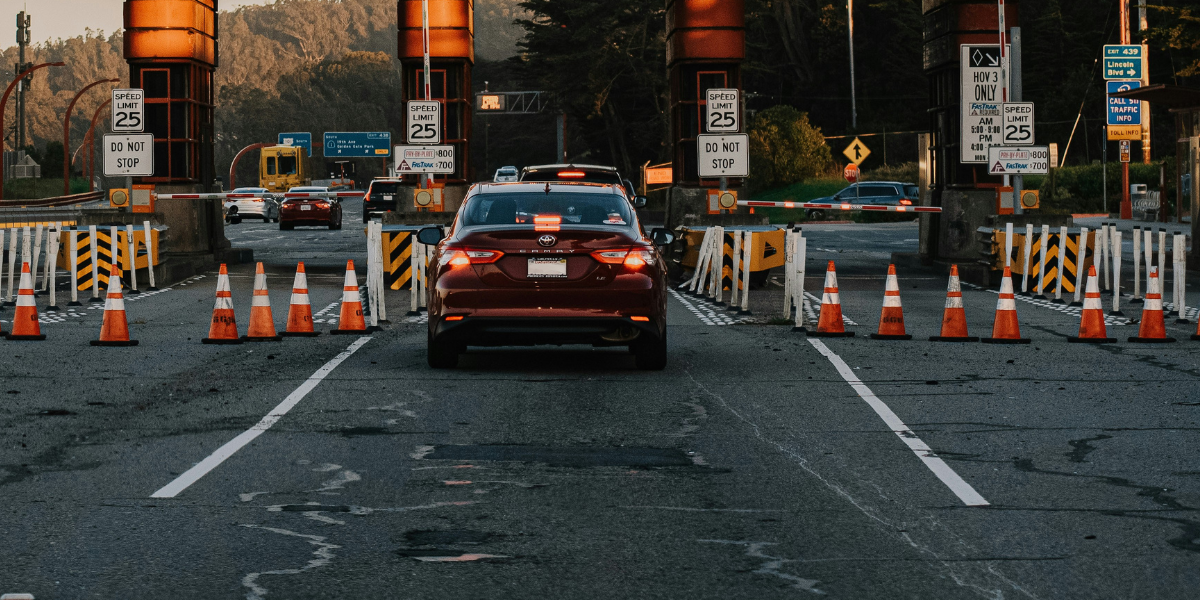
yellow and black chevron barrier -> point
(766, 254)
(1050, 274)
(104, 258)
(397, 255)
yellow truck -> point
(282, 167)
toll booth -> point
(452, 55)
(171, 48)
(706, 44)
(964, 190)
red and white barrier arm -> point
(325, 195)
(866, 207)
(219, 196)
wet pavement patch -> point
(53, 412)
(444, 537)
(313, 508)
(361, 431)
(566, 456)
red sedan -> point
(320, 211)
(546, 263)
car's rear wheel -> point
(440, 354)
(650, 353)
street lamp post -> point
(91, 143)
(4, 103)
(67, 133)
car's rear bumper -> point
(302, 217)
(532, 331)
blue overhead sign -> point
(1123, 111)
(300, 140)
(358, 144)
(1124, 61)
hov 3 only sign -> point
(723, 155)
(129, 155)
(981, 118)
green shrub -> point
(785, 148)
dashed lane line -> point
(948, 476)
(231, 447)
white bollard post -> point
(1179, 269)
(73, 252)
(1162, 261)
(1008, 244)
(12, 266)
(700, 274)
(801, 258)
(1062, 263)
(1116, 273)
(1137, 265)
(425, 255)
(787, 273)
(1105, 253)
(1148, 249)
(37, 255)
(131, 243)
(26, 248)
(2, 301)
(372, 289)
(696, 271)
(1028, 250)
(735, 278)
(149, 232)
(1080, 265)
(717, 266)
(114, 247)
(52, 244)
(1041, 280)
(414, 285)
(380, 280)
(747, 253)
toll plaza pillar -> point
(452, 55)
(706, 44)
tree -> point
(785, 148)
(1180, 32)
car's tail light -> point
(571, 175)
(547, 222)
(640, 319)
(455, 318)
(462, 258)
(905, 202)
(634, 258)
(322, 204)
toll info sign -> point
(1123, 111)
(1030, 160)
(723, 155)
(982, 120)
(128, 111)
(129, 155)
(412, 160)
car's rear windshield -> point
(588, 176)
(912, 191)
(384, 188)
(565, 209)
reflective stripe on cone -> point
(1152, 328)
(262, 322)
(223, 329)
(954, 318)
(351, 320)
(891, 318)
(830, 322)
(1092, 329)
(1005, 329)
(300, 320)
(25, 326)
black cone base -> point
(1142, 340)
(1075, 304)
(938, 338)
(125, 343)
(347, 331)
(831, 334)
(300, 333)
(275, 338)
(1196, 337)
(1079, 340)
(1006, 340)
(883, 336)
(221, 342)
(81, 304)
(25, 338)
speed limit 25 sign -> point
(722, 112)
(128, 111)
(424, 122)
(1018, 124)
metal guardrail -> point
(71, 200)
(30, 216)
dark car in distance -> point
(381, 197)
(888, 193)
(527, 264)
(303, 209)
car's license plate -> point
(391, 197)
(547, 268)
(305, 207)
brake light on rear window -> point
(571, 175)
(547, 222)
(906, 202)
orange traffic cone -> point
(954, 319)
(351, 319)
(224, 328)
(830, 323)
(1005, 329)
(1091, 326)
(1196, 336)
(300, 322)
(1152, 328)
(262, 322)
(891, 319)
(115, 329)
(25, 319)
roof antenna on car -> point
(547, 187)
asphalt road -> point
(759, 464)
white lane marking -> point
(961, 488)
(231, 447)
(324, 555)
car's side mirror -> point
(639, 201)
(430, 236)
(661, 237)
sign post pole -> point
(1014, 57)
(1126, 203)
